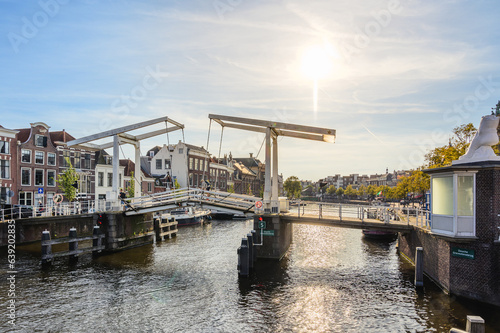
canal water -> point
(332, 280)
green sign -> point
(268, 232)
(463, 253)
(262, 224)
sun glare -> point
(316, 62)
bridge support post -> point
(46, 248)
(243, 258)
(73, 244)
(276, 237)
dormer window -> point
(40, 141)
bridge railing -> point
(402, 215)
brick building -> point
(8, 166)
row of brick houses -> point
(355, 180)
(32, 158)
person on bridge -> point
(122, 197)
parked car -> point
(14, 211)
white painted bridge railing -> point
(406, 215)
(236, 201)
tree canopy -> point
(292, 187)
(66, 182)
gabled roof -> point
(155, 149)
(60, 136)
(24, 134)
(243, 169)
(100, 156)
(130, 167)
(249, 162)
(193, 147)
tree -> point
(350, 192)
(292, 187)
(339, 192)
(66, 181)
(131, 189)
(177, 185)
(457, 146)
(371, 190)
(331, 190)
(249, 190)
(419, 182)
(230, 189)
(362, 191)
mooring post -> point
(243, 269)
(46, 248)
(475, 324)
(96, 242)
(419, 267)
(340, 211)
(73, 244)
(157, 224)
(250, 250)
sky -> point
(393, 78)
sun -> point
(316, 63)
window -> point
(151, 154)
(158, 164)
(197, 164)
(51, 159)
(25, 176)
(127, 184)
(40, 141)
(26, 155)
(26, 198)
(119, 180)
(150, 187)
(190, 163)
(465, 196)
(51, 178)
(66, 158)
(167, 164)
(110, 179)
(4, 147)
(77, 159)
(190, 179)
(100, 179)
(4, 198)
(442, 195)
(39, 157)
(86, 161)
(4, 169)
(181, 150)
(38, 177)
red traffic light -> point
(260, 218)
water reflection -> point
(333, 280)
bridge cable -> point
(208, 141)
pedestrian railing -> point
(401, 215)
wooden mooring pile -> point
(165, 227)
(72, 240)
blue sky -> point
(396, 76)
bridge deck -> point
(347, 222)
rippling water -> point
(333, 280)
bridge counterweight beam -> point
(267, 183)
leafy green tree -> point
(331, 190)
(350, 192)
(230, 189)
(131, 189)
(292, 187)
(371, 190)
(339, 192)
(419, 182)
(249, 190)
(362, 190)
(178, 186)
(457, 146)
(67, 180)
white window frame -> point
(8, 168)
(7, 147)
(29, 183)
(31, 155)
(55, 159)
(43, 177)
(36, 140)
(24, 199)
(43, 157)
(55, 177)
(99, 183)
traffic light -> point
(100, 219)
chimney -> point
(251, 155)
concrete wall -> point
(274, 247)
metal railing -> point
(401, 215)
